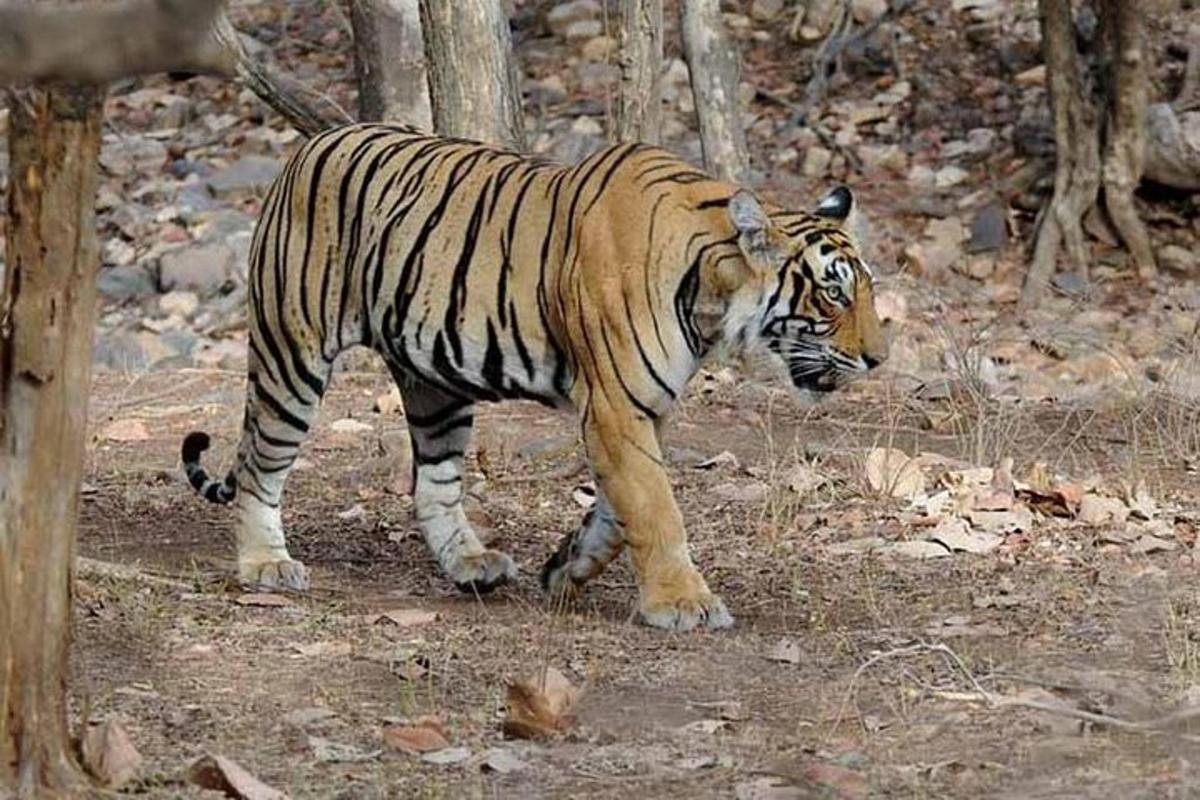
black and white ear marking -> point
(837, 204)
(747, 213)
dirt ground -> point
(847, 675)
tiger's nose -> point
(872, 361)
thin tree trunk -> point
(639, 104)
(1125, 145)
(46, 314)
(389, 61)
(712, 60)
(1077, 156)
(473, 85)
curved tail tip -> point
(193, 445)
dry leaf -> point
(109, 755)
(1095, 509)
(126, 430)
(407, 617)
(221, 774)
(724, 458)
(331, 752)
(540, 706)
(891, 472)
(803, 479)
(414, 739)
(263, 599)
(786, 651)
(957, 535)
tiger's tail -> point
(211, 489)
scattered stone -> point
(125, 430)
(956, 534)
(1034, 76)
(224, 775)
(125, 283)
(865, 11)
(202, 268)
(350, 425)
(126, 156)
(313, 716)
(892, 472)
(109, 755)
(1095, 509)
(816, 161)
(599, 48)
(563, 15)
(330, 752)
(989, 229)
(751, 492)
(785, 651)
(584, 29)
(183, 304)
(1181, 260)
(450, 755)
(249, 174)
(765, 10)
(949, 176)
(501, 761)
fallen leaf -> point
(1142, 504)
(724, 458)
(501, 761)
(304, 717)
(263, 599)
(1018, 519)
(317, 649)
(539, 707)
(958, 536)
(414, 739)
(890, 471)
(221, 774)
(786, 651)
(126, 430)
(408, 617)
(109, 754)
(330, 752)
(450, 755)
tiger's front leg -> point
(628, 465)
(440, 427)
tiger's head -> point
(809, 299)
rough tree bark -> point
(473, 84)
(1125, 137)
(46, 313)
(99, 42)
(1077, 156)
(639, 103)
(389, 59)
(712, 59)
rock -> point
(125, 283)
(247, 174)
(865, 11)
(889, 157)
(940, 246)
(201, 268)
(989, 229)
(1071, 283)
(182, 303)
(583, 29)
(599, 48)
(1034, 76)
(1095, 509)
(1178, 259)
(547, 91)
(816, 161)
(125, 156)
(563, 15)
(765, 10)
(949, 176)
(117, 253)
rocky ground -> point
(1022, 494)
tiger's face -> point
(816, 309)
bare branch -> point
(308, 111)
(99, 42)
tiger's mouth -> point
(823, 382)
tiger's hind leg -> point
(275, 424)
(440, 427)
(584, 553)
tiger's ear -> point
(750, 221)
(837, 204)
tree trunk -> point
(46, 314)
(473, 84)
(639, 104)
(1125, 145)
(712, 60)
(1077, 155)
(389, 62)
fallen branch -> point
(91, 568)
(307, 110)
(100, 42)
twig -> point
(834, 44)
(91, 568)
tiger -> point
(480, 274)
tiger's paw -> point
(480, 574)
(556, 574)
(283, 573)
(684, 614)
